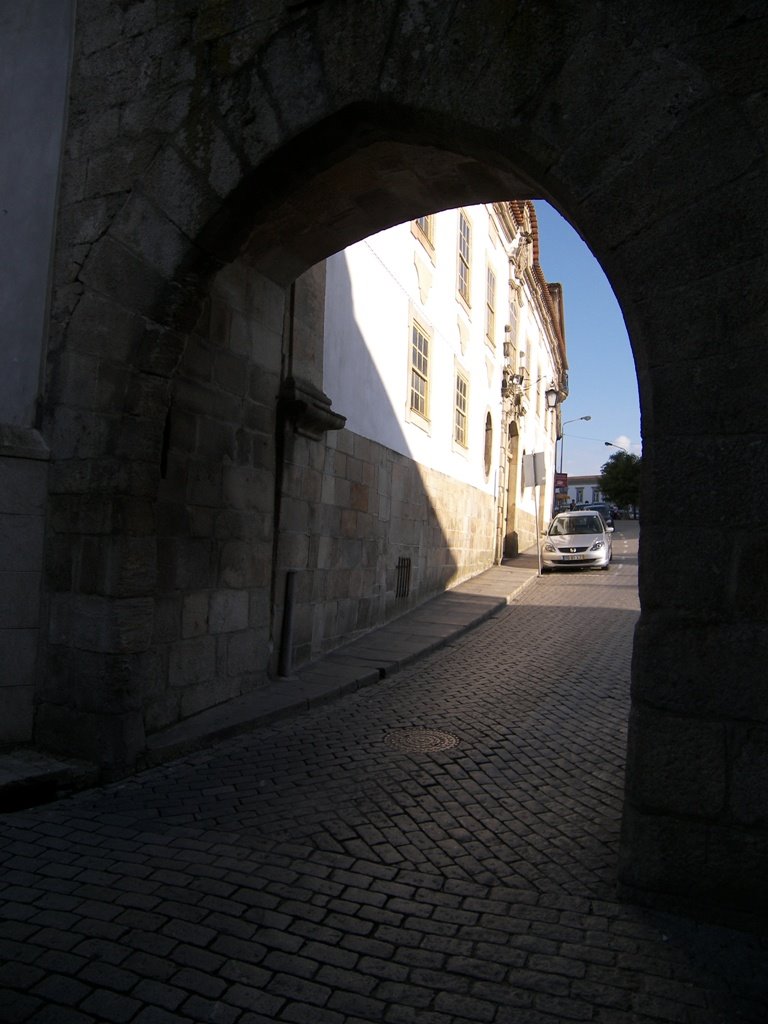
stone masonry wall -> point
(215, 504)
(350, 509)
(527, 532)
(23, 486)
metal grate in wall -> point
(403, 584)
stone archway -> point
(279, 141)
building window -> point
(460, 410)
(465, 243)
(595, 494)
(490, 306)
(580, 494)
(426, 227)
(419, 400)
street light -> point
(610, 444)
(562, 435)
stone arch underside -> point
(280, 142)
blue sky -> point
(602, 378)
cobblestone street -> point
(318, 871)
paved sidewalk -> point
(377, 655)
(29, 776)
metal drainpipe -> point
(503, 484)
(281, 426)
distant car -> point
(579, 538)
(605, 510)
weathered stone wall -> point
(189, 570)
(351, 509)
(215, 510)
(527, 529)
(23, 488)
(34, 55)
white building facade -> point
(459, 340)
(445, 345)
(584, 489)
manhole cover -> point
(415, 739)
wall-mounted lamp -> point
(552, 395)
(511, 384)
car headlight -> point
(597, 545)
(549, 547)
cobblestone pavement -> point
(316, 871)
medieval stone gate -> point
(215, 150)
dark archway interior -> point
(357, 172)
(225, 525)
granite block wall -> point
(215, 515)
(23, 483)
(352, 509)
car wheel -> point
(606, 566)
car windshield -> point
(567, 526)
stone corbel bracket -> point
(308, 409)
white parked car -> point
(577, 538)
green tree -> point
(620, 479)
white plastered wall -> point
(374, 289)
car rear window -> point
(570, 525)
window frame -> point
(490, 305)
(426, 235)
(420, 370)
(464, 260)
(460, 377)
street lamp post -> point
(562, 436)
